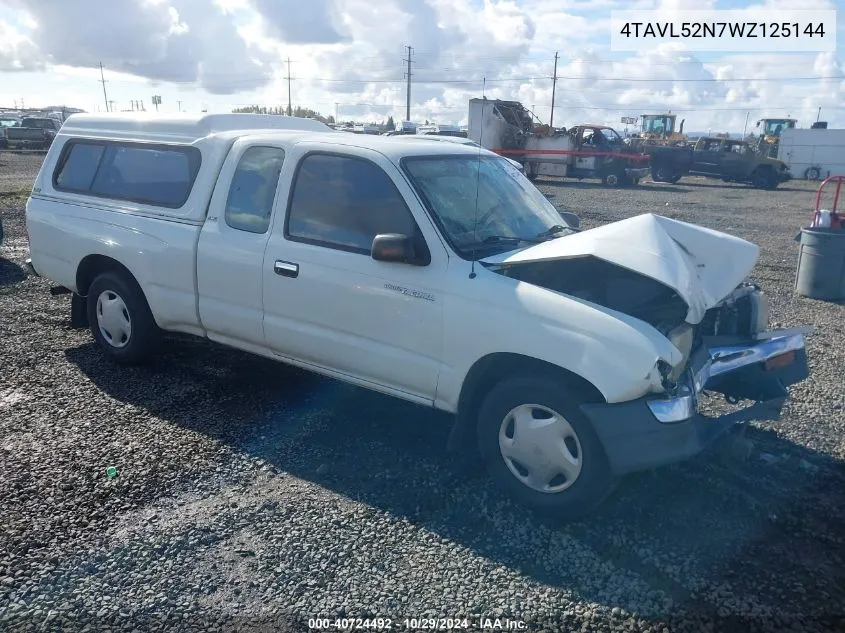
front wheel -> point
(120, 318)
(764, 179)
(540, 449)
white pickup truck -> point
(432, 272)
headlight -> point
(759, 317)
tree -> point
(298, 111)
(390, 124)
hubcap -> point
(113, 319)
(612, 180)
(540, 448)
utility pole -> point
(554, 85)
(290, 109)
(747, 114)
(408, 95)
(103, 81)
(179, 105)
(819, 115)
(110, 105)
(336, 112)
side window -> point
(345, 202)
(253, 189)
(77, 171)
(157, 175)
(145, 174)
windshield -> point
(43, 124)
(774, 128)
(509, 207)
(655, 125)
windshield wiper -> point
(554, 230)
(499, 239)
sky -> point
(347, 58)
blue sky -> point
(347, 58)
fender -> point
(159, 253)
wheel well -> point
(493, 368)
(93, 265)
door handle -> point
(286, 269)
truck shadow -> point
(10, 273)
(755, 526)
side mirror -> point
(571, 219)
(393, 247)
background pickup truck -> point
(732, 160)
(33, 132)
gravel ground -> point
(252, 495)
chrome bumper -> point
(719, 361)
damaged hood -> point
(701, 265)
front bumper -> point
(650, 432)
(30, 267)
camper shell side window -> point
(148, 173)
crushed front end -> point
(729, 352)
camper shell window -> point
(153, 174)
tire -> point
(764, 179)
(615, 179)
(662, 173)
(120, 318)
(675, 179)
(589, 481)
(813, 173)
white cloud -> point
(233, 52)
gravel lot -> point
(253, 495)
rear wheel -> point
(616, 178)
(663, 173)
(120, 318)
(764, 179)
(540, 449)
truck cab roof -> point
(221, 129)
(184, 128)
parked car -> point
(7, 121)
(583, 151)
(33, 132)
(731, 160)
(429, 272)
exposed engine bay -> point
(598, 281)
(743, 313)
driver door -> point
(734, 159)
(327, 303)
